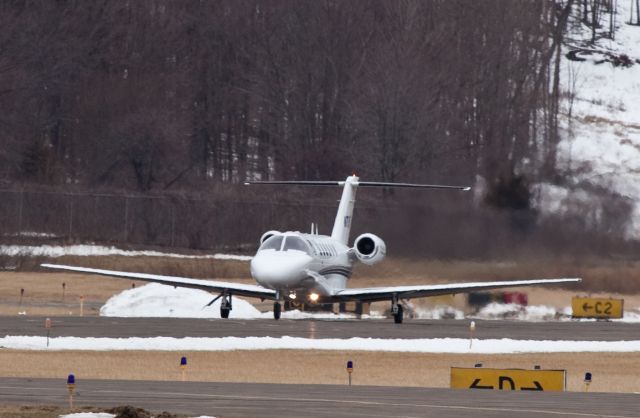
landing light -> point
(314, 297)
(292, 295)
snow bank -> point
(31, 234)
(102, 415)
(438, 312)
(88, 415)
(157, 300)
(423, 345)
(99, 250)
(519, 312)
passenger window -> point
(272, 243)
(295, 243)
(326, 250)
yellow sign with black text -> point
(597, 307)
(508, 379)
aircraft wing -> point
(374, 294)
(236, 289)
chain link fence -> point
(147, 220)
(438, 228)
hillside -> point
(600, 124)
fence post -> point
(126, 218)
(70, 196)
(20, 204)
(173, 224)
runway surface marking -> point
(104, 327)
(122, 393)
(424, 345)
(198, 398)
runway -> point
(248, 399)
(67, 326)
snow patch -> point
(104, 415)
(438, 312)
(55, 251)
(599, 121)
(157, 300)
(88, 415)
(421, 345)
(519, 312)
(31, 234)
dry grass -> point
(612, 372)
(43, 292)
(199, 268)
(36, 411)
(54, 411)
(598, 275)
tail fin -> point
(342, 224)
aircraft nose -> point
(279, 268)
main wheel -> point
(225, 307)
(277, 309)
(397, 317)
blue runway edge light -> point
(183, 361)
(71, 380)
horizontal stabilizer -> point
(359, 184)
(411, 185)
(297, 183)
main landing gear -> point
(396, 310)
(277, 310)
(225, 306)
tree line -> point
(166, 97)
(154, 95)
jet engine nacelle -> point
(369, 249)
(268, 235)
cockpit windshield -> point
(295, 243)
(272, 243)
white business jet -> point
(300, 268)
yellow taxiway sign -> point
(508, 379)
(597, 307)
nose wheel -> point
(396, 310)
(398, 314)
(277, 310)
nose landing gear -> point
(396, 310)
(398, 313)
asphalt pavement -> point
(271, 400)
(92, 326)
